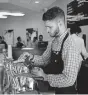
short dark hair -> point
(53, 13)
(18, 38)
(34, 39)
(40, 35)
(75, 29)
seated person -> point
(41, 43)
(3, 42)
(40, 37)
(19, 44)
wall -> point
(33, 20)
(19, 24)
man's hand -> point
(38, 72)
(23, 57)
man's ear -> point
(59, 23)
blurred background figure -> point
(19, 43)
(33, 35)
(40, 37)
(29, 42)
(3, 42)
(31, 39)
(41, 43)
(35, 42)
(76, 35)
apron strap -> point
(63, 42)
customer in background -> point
(35, 42)
(40, 38)
(3, 42)
(19, 44)
(29, 43)
(75, 33)
(61, 58)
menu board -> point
(77, 13)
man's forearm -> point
(43, 59)
(37, 61)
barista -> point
(61, 58)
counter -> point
(82, 80)
(11, 70)
(16, 52)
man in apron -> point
(61, 60)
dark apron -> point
(56, 67)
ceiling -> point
(25, 5)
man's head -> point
(54, 19)
(19, 39)
(75, 29)
(40, 37)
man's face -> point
(20, 40)
(40, 38)
(52, 28)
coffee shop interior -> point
(22, 30)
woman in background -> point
(75, 33)
(29, 43)
(35, 42)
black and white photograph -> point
(43, 47)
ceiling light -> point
(17, 14)
(1, 16)
(4, 13)
(37, 2)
